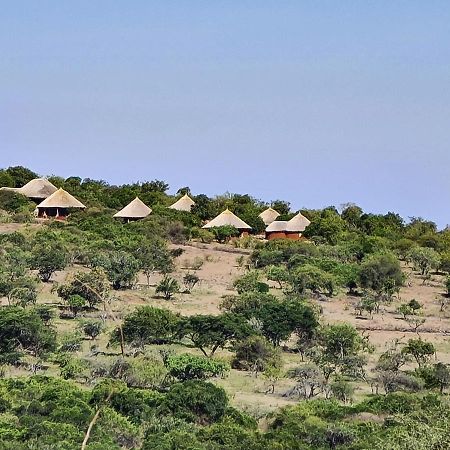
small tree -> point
(190, 280)
(47, 258)
(121, 268)
(154, 256)
(424, 259)
(381, 273)
(420, 350)
(92, 328)
(255, 354)
(168, 286)
(76, 303)
(208, 332)
(224, 233)
(279, 274)
(93, 286)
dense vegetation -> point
(153, 384)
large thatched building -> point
(37, 190)
(228, 218)
(269, 215)
(291, 229)
(185, 203)
(58, 205)
(135, 210)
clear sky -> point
(316, 102)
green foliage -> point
(381, 273)
(20, 175)
(23, 331)
(149, 325)
(191, 367)
(154, 256)
(207, 332)
(14, 202)
(421, 350)
(256, 354)
(48, 256)
(250, 282)
(92, 286)
(424, 259)
(196, 401)
(121, 268)
(92, 328)
(224, 233)
(189, 281)
(168, 286)
(76, 303)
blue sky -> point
(316, 102)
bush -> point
(149, 325)
(189, 367)
(196, 401)
(168, 286)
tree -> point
(190, 280)
(340, 349)
(154, 256)
(148, 325)
(420, 350)
(93, 286)
(48, 257)
(224, 233)
(250, 282)
(381, 273)
(191, 367)
(92, 328)
(208, 332)
(121, 268)
(279, 319)
(255, 354)
(279, 274)
(310, 381)
(21, 175)
(424, 259)
(23, 331)
(76, 303)
(196, 401)
(168, 286)
(13, 202)
(312, 278)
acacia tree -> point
(209, 333)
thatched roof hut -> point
(185, 203)
(58, 204)
(269, 215)
(37, 189)
(135, 210)
(228, 218)
(297, 224)
(291, 229)
(276, 230)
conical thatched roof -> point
(61, 199)
(269, 215)
(227, 218)
(185, 203)
(38, 188)
(297, 224)
(276, 225)
(136, 209)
